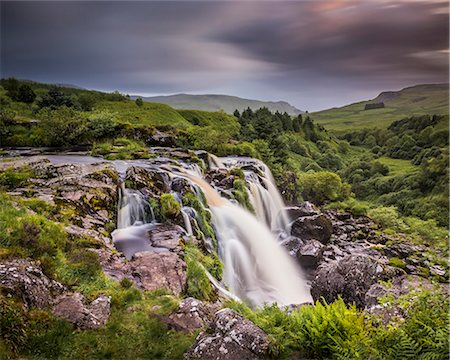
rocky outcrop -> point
(191, 315)
(230, 336)
(350, 278)
(314, 227)
(310, 253)
(72, 307)
(24, 279)
(142, 178)
(159, 270)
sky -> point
(314, 54)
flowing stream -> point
(257, 269)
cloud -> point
(267, 49)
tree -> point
(11, 86)
(54, 99)
(26, 94)
(139, 102)
(237, 114)
(86, 101)
(297, 123)
(287, 122)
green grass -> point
(398, 166)
(418, 100)
(151, 114)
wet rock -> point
(349, 278)
(231, 336)
(72, 308)
(292, 244)
(181, 185)
(24, 279)
(305, 209)
(167, 236)
(310, 253)
(96, 238)
(159, 270)
(317, 227)
(192, 315)
(158, 182)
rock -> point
(181, 185)
(160, 138)
(159, 270)
(231, 336)
(24, 279)
(167, 236)
(191, 315)
(71, 307)
(114, 265)
(158, 182)
(400, 286)
(302, 210)
(316, 227)
(349, 278)
(292, 245)
(310, 253)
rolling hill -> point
(416, 100)
(220, 102)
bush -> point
(14, 178)
(322, 187)
(170, 208)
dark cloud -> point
(314, 54)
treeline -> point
(51, 96)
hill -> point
(411, 101)
(221, 102)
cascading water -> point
(256, 268)
(134, 219)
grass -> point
(151, 114)
(398, 166)
(418, 100)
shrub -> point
(322, 187)
(170, 207)
(13, 178)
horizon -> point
(313, 55)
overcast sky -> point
(315, 54)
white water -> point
(256, 267)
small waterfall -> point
(133, 208)
(256, 268)
(263, 193)
(134, 219)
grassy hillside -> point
(221, 102)
(416, 100)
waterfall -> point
(134, 220)
(256, 268)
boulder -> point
(167, 236)
(191, 315)
(72, 308)
(316, 227)
(159, 270)
(302, 210)
(292, 245)
(310, 253)
(156, 181)
(231, 336)
(350, 278)
(24, 279)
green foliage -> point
(54, 99)
(240, 193)
(25, 94)
(13, 178)
(322, 187)
(139, 102)
(120, 149)
(198, 284)
(204, 215)
(396, 262)
(170, 207)
(12, 325)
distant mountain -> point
(220, 102)
(416, 100)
